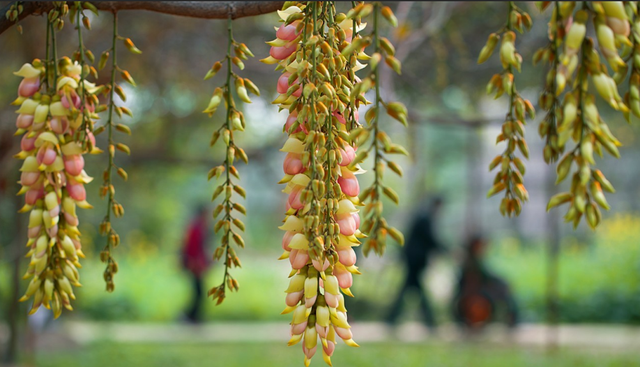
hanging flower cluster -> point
(234, 121)
(317, 50)
(577, 118)
(53, 97)
(510, 176)
(572, 115)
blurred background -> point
(587, 282)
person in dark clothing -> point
(481, 296)
(420, 245)
(196, 260)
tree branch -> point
(194, 9)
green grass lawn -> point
(371, 354)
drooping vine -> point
(234, 121)
(381, 145)
(510, 176)
(317, 48)
(107, 189)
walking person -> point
(195, 260)
(419, 247)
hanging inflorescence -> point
(56, 101)
(317, 48)
(58, 111)
(510, 176)
(234, 121)
(107, 189)
(576, 63)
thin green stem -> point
(82, 64)
(228, 164)
(109, 124)
(47, 80)
(55, 53)
(377, 103)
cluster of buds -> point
(13, 14)
(322, 220)
(510, 176)
(107, 189)
(548, 129)
(318, 50)
(53, 178)
(578, 118)
(234, 121)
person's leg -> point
(196, 293)
(425, 306)
(198, 299)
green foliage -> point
(597, 282)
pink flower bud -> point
(348, 155)
(34, 231)
(29, 86)
(348, 35)
(332, 299)
(309, 352)
(347, 224)
(343, 333)
(618, 26)
(293, 164)
(28, 144)
(283, 85)
(316, 264)
(75, 98)
(53, 231)
(91, 137)
(73, 164)
(297, 329)
(55, 211)
(59, 125)
(331, 346)
(290, 121)
(341, 118)
(286, 239)
(345, 279)
(76, 191)
(71, 219)
(293, 298)
(294, 198)
(33, 195)
(24, 121)
(29, 178)
(46, 155)
(322, 331)
(287, 32)
(356, 218)
(309, 302)
(347, 257)
(349, 184)
(298, 258)
(281, 53)
(76, 244)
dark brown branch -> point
(194, 9)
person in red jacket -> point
(195, 259)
